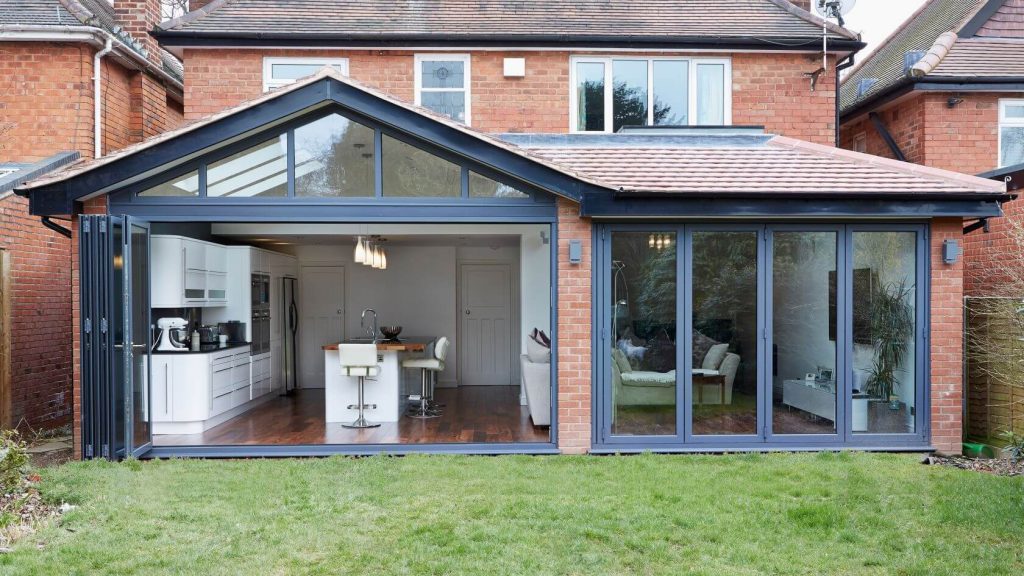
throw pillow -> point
(537, 353)
(701, 345)
(714, 357)
(620, 361)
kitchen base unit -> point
(195, 391)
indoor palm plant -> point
(892, 325)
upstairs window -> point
(609, 93)
(442, 84)
(1011, 132)
(279, 72)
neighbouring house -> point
(600, 227)
(50, 53)
(946, 90)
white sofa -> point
(643, 388)
(536, 382)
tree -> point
(173, 8)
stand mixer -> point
(173, 335)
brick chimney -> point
(805, 4)
(194, 5)
(137, 18)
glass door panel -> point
(139, 336)
(724, 393)
(643, 326)
(885, 285)
(120, 365)
(804, 327)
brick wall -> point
(768, 89)
(904, 121)
(40, 317)
(575, 323)
(946, 340)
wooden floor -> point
(471, 414)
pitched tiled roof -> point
(1007, 22)
(73, 13)
(772, 165)
(884, 69)
(981, 58)
(566, 19)
(749, 165)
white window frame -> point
(419, 59)
(1005, 122)
(691, 113)
(269, 83)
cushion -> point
(649, 379)
(701, 345)
(713, 359)
(619, 359)
(537, 353)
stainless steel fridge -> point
(290, 309)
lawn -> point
(742, 514)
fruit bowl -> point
(391, 332)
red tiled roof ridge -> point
(934, 56)
(795, 10)
(907, 167)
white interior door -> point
(485, 347)
(322, 319)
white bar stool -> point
(359, 361)
(429, 368)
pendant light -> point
(375, 262)
(383, 260)
(360, 255)
(650, 241)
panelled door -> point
(745, 334)
(116, 336)
(322, 308)
(485, 348)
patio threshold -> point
(614, 450)
(322, 450)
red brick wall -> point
(45, 99)
(946, 340)
(40, 316)
(904, 121)
(768, 89)
(575, 325)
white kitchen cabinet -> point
(276, 365)
(260, 377)
(187, 273)
(161, 380)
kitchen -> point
(264, 303)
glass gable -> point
(332, 158)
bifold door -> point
(747, 335)
(115, 335)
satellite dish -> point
(834, 9)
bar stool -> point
(359, 361)
(429, 367)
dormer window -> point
(609, 93)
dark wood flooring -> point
(471, 414)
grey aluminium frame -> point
(684, 440)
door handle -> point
(467, 312)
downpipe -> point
(97, 104)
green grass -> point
(742, 514)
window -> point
(185, 185)
(334, 158)
(860, 143)
(611, 93)
(442, 84)
(279, 72)
(412, 172)
(1011, 132)
(258, 171)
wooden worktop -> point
(402, 345)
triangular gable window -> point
(330, 157)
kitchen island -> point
(383, 390)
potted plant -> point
(892, 325)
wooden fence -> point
(994, 365)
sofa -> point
(535, 375)
(644, 388)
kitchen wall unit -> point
(188, 273)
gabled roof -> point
(74, 14)
(13, 175)
(755, 166)
(489, 21)
(944, 41)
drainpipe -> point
(97, 126)
(840, 66)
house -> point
(50, 51)
(946, 90)
(602, 228)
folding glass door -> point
(743, 335)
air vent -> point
(864, 85)
(910, 58)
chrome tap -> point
(371, 330)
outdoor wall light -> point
(950, 251)
(575, 252)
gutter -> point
(55, 227)
(200, 38)
(97, 103)
(96, 37)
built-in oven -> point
(260, 314)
